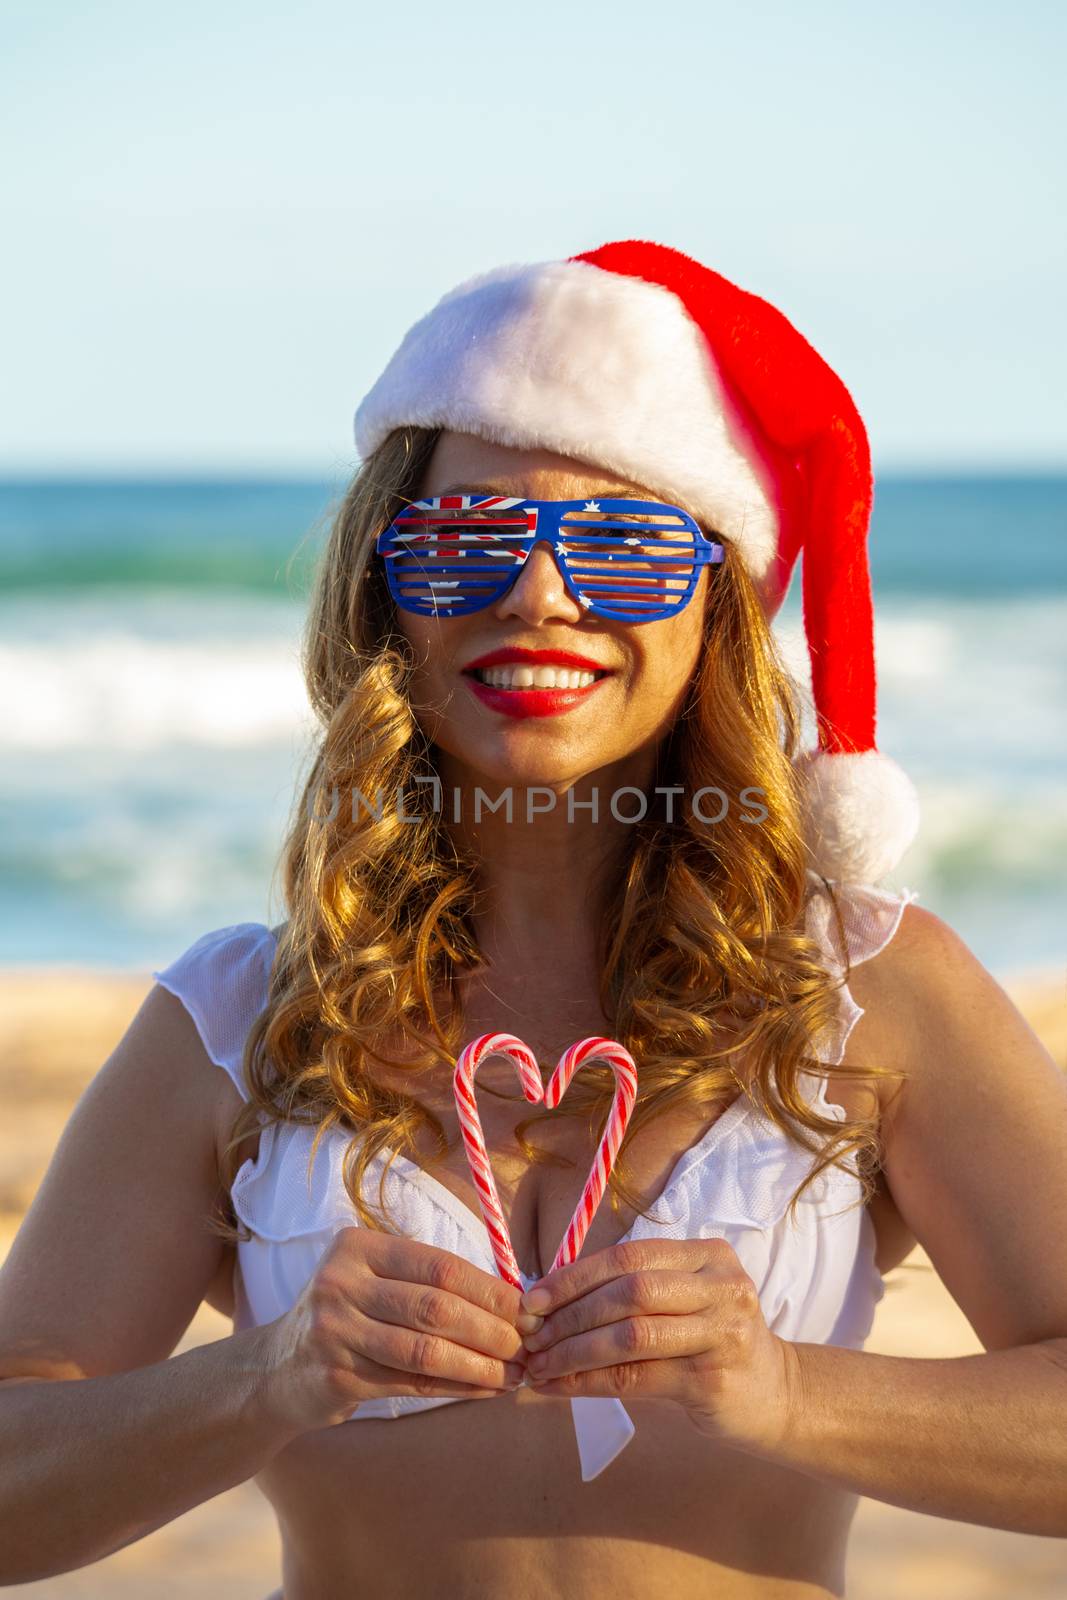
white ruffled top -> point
(816, 1278)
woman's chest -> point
(433, 1196)
(540, 1186)
(541, 1160)
(540, 1181)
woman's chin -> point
(497, 772)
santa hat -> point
(636, 358)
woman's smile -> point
(532, 701)
(533, 683)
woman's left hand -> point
(666, 1319)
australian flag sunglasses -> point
(628, 560)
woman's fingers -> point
(439, 1313)
(411, 1261)
(432, 1315)
(377, 1379)
(647, 1292)
(632, 1339)
(643, 1380)
(591, 1272)
(430, 1355)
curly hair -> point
(705, 968)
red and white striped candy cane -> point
(470, 1059)
(625, 1070)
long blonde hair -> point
(704, 962)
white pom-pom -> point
(861, 813)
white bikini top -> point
(816, 1278)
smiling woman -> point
(824, 1073)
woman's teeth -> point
(535, 677)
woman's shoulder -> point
(223, 981)
(924, 962)
(913, 993)
(238, 955)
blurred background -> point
(221, 221)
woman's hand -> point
(665, 1319)
(386, 1315)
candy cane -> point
(525, 1063)
(622, 1064)
(470, 1059)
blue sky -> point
(221, 218)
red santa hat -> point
(636, 358)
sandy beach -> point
(58, 1025)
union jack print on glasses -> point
(629, 560)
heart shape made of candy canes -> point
(525, 1063)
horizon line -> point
(237, 472)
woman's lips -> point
(531, 702)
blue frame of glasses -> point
(594, 576)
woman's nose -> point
(539, 590)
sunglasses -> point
(626, 560)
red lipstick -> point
(544, 658)
(521, 703)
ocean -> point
(153, 724)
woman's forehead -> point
(464, 464)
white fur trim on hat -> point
(596, 365)
(861, 813)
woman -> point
(615, 458)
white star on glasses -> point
(591, 505)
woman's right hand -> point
(387, 1315)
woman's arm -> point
(102, 1438)
(976, 1159)
(90, 1465)
(976, 1438)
